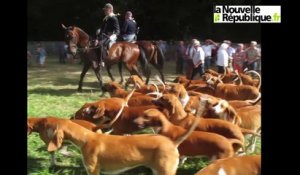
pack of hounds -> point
(217, 117)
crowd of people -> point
(196, 58)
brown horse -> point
(77, 38)
(154, 55)
(120, 52)
(129, 54)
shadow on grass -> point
(59, 92)
(61, 169)
(136, 171)
(62, 81)
(65, 169)
(185, 172)
(34, 163)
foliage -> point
(166, 20)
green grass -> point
(52, 92)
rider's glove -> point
(96, 42)
(113, 37)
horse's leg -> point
(146, 72)
(159, 65)
(108, 67)
(148, 77)
(146, 69)
(133, 70)
(85, 68)
(120, 72)
(159, 68)
(98, 73)
(145, 64)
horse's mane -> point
(81, 31)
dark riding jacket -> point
(110, 26)
(129, 27)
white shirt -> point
(223, 56)
(230, 51)
(197, 54)
(207, 49)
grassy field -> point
(52, 92)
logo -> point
(247, 14)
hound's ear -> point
(187, 109)
(230, 114)
(99, 112)
(157, 123)
(113, 87)
(63, 26)
(56, 140)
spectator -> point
(41, 55)
(230, 51)
(222, 58)
(197, 55)
(163, 46)
(128, 30)
(66, 47)
(207, 48)
(62, 55)
(180, 54)
(239, 57)
(252, 56)
(214, 55)
(188, 59)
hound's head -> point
(168, 101)
(49, 131)
(223, 110)
(210, 79)
(86, 112)
(134, 79)
(178, 90)
(110, 87)
(181, 79)
(71, 39)
(150, 118)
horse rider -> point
(129, 29)
(109, 30)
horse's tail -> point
(160, 61)
(160, 56)
(144, 63)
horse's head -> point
(71, 38)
